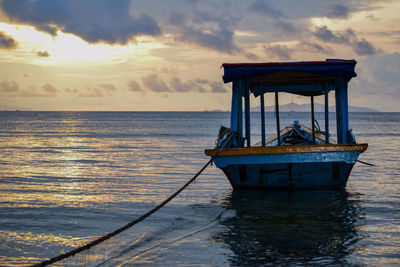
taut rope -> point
(132, 223)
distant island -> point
(307, 108)
(304, 108)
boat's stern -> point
(298, 166)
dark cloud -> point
(49, 88)
(278, 19)
(220, 39)
(361, 46)
(378, 85)
(134, 86)
(265, 8)
(207, 27)
(189, 86)
(42, 54)
(204, 30)
(202, 81)
(284, 26)
(217, 87)
(92, 20)
(91, 92)
(46, 90)
(371, 17)
(155, 84)
(314, 47)
(7, 42)
(108, 88)
(177, 18)
(178, 86)
(7, 86)
(71, 90)
(385, 68)
(338, 11)
(326, 34)
(251, 56)
(50, 29)
(281, 52)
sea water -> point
(67, 178)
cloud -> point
(7, 86)
(265, 8)
(251, 56)
(217, 87)
(278, 19)
(361, 47)
(281, 52)
(42, 54)
(202, 81)
(178, 86)
(284, 26)
(134, 86)
(70, 90)
(371, 17)
(93, 20)
(378, 82)
(384, 69)
(314, 47)
(188, 86)
(108, 88)
(364, 47)
(46, 90)
(91, 92)
(326, 34)
(155, 84)
(205, 31)
(338, 11)
(198, 85)
(49, 88)
(7, 42)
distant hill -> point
(4, 107)
(307, 108)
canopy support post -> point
(236, 112)
(262, 119)
(312, 119)
(247, 112)
(240, 114)
(278, 130)
(326, 114)
(342, 113)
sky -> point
(121, 55)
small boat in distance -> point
(297, 157)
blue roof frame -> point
(325, 70)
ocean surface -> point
(67, 178)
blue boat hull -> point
(289, 167)
(313, 175)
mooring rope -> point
(132, 223)
(366, 163)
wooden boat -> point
(297, 157)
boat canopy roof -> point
(304, 78)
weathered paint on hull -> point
(313, 175)
(307, 170)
